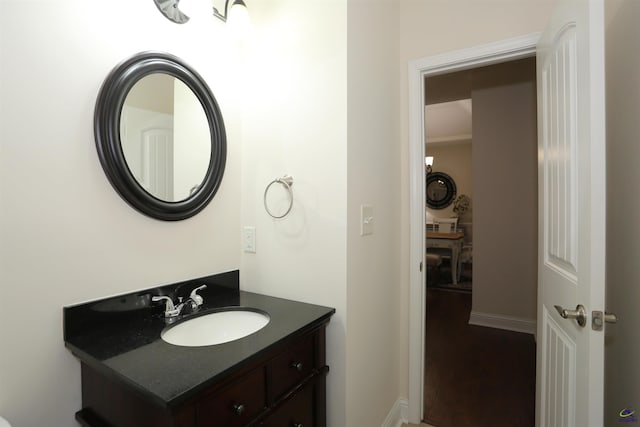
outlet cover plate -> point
(249, 239)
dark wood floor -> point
(475, 376)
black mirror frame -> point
(106, 123)
(451, 190)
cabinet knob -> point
(238, 409)
(298, 367)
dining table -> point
(449, 241)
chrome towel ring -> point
(287, 182)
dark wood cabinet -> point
(298, 411)
(291, 366)
(236, 405)
(283, 387)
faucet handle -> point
(169, 307)
(195, 297)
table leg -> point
(455, 256)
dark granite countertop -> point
(120, 336)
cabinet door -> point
(296, 412)
(235, 405)
(291, 367)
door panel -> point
(560, 367)
(559, 76)
(571, 240)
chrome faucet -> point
(193, 303)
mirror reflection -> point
(165, 137)
(441, 190)
(437, 190)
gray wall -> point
(622, 347)
(505, 200)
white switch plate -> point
(249, 239)
(366, 220)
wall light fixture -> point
(172, 12)
(237, 7)
(428, 161)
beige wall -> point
(373, 261)
(454, 159)
(505, 243)
(622, 347)
(430, 27)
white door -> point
(157, 162)
(571, 262)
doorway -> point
(456, 61)
(467, 380)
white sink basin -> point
(215, 328)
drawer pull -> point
(297, 425)
(238, 409)
(298, 367)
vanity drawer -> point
(235, 405)
(291, 366)
(297, 412)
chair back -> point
(445, 225)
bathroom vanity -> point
(132, 377)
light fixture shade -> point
(428, 160)
(238, 18)
(169, 8)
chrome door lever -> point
(598, 319)
(579, 314)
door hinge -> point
(420, 266)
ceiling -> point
(448, 122)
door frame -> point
(492, 53)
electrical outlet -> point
(249, 239)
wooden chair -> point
(466, 257)
(433, 262)
(445, 225)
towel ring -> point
(287, 182)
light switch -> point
(249, 239)
(366, 222)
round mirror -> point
(441, 190)
(160, 136)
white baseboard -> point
(398, 415)
(500, 321)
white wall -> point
(430, 27)
(295, 122)
(65, 235)
(622, 347)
